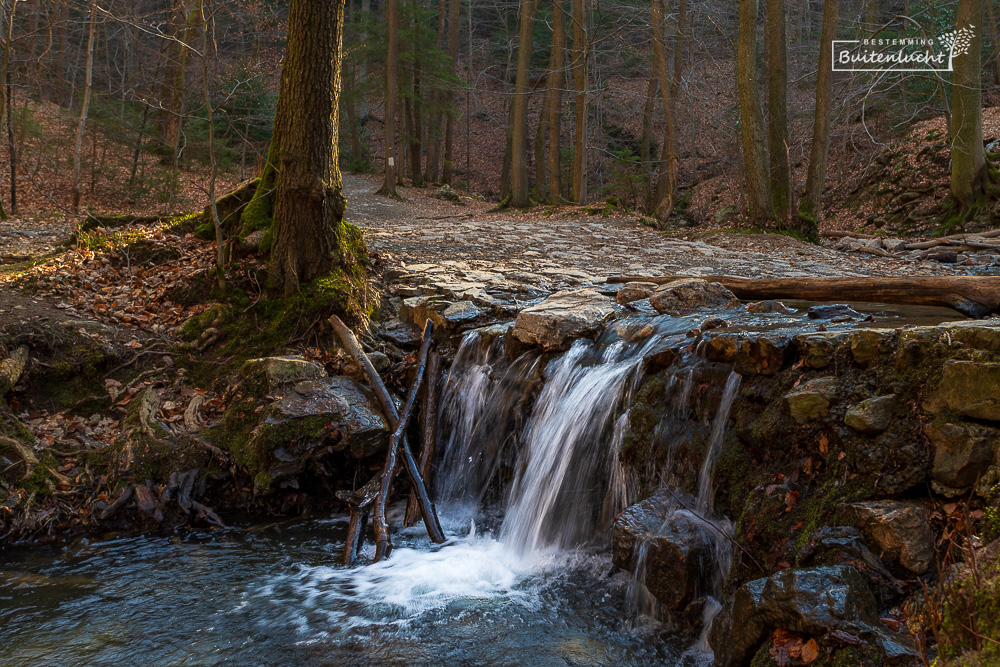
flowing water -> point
(527, 485)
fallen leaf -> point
(810, 651)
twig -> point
(429, 424)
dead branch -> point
(428, 419)
(352, 346)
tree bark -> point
(11, 369)
(751, 121)
(310, 236)
(579, 69)
(668, 197)
(84, 109)
(519, 195)
(969, 174)
(557, 63)
(973, 296)
(449, 130)
(777, 128)
(810, 206)
(173, 89)
(432, 169)
(391, 81)
(541, 129)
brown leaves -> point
(791, 648)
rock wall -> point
(868, 431)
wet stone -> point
(901, 529)
(563, 317)
(871, 416)
(834, 312)
(688, 295)
(630, 292)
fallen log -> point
(428, 420)
(353, 348)
(973, 296)
(11, 369)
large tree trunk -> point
(751, 121)
(809, 207)
(579, 69)
(391, 80)
(310, 236)
(668, 197)
(969, 174)
(974, 296)
(519, 195)
(557, 63)
(777, 128)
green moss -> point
(40, 481)
(250, 436)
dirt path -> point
(576, 243)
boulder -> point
(836, 313)
(447, 193)
(672, 548)
(872, 415)
(446, 315)
(688, 295)
(634, 292)
(554, 323)
(969, 387)
(962, 452)
(400, 333)
(812, 399)
(379, 360)
(277, 371)
(769, 306)
(811, 600)
(901, 529)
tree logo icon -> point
(957, 42)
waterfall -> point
(565, 462)
(705, 490)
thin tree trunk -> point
(777, 128)
(668, 198)
(416, 145)
(557, 65)
(11, 148)
(433, 166)
(5, 79)
(809, 207)
(646, 139)
(392, 26)
(579, 69)
(995, 37)
(751, 121)
(541, 183)
(220, 245)
(82, 124)
(519, 196)
(449, 130)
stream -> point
(527, 486)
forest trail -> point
(415, 231)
